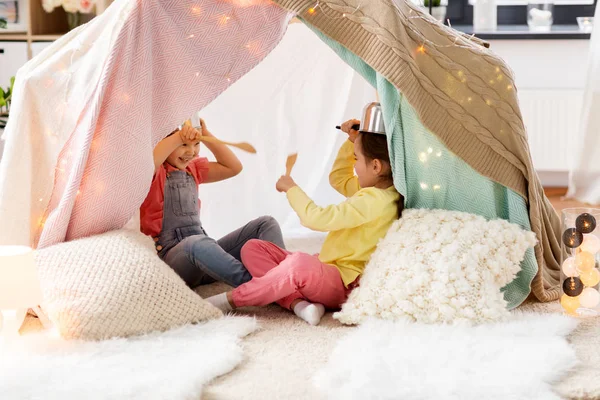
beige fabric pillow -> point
(437, 266)
(114, 285)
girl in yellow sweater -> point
(307, 284)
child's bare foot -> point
(310, 312)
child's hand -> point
(285, 183)
(189, 135)
(347, 127)
(204, 130)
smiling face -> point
(181, 157)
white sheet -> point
(584, 183)
(290, 103)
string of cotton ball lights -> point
(581, 276)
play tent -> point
(88, 110)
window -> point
(514, 12)
(524, 2)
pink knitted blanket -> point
(88, 111)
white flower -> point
(71, 6)
(48, 5)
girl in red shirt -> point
(171, 212)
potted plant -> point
(5, 97)
(438, 11)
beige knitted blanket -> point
(462, 92)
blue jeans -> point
(200, 260)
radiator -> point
(552, 119)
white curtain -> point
(584, 182)
(289, 103)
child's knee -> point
(301, 268)
(269, 221)
(250, 248)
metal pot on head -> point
(372, 120)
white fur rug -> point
(170, 365)
(517, 360)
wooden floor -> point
(555, 195)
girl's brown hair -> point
(374, 147)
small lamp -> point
(19, 287)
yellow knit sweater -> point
(356, 225)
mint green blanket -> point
(430, 176)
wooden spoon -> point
(290, 162)
(242, 146)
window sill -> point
(520, 32)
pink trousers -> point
(282, 277)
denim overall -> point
(184, 245)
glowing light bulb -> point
(509, 88)
(436, 187)
(422, 157)
(585, 223)
(421, 49)
(569, 267)
(197, 73)
(585, 261)
(591, 244)
(590, 278)
(430, 150)
(589, 298)
(570, 304)
(469, 99)
(190, 36)
(312, 10)
(424, 186)
(196, 10)
(572, 286)
(572, 238)
(438, 154)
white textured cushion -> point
(437, 266)
(114, 285)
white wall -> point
(550, 78)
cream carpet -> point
(282, 358)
